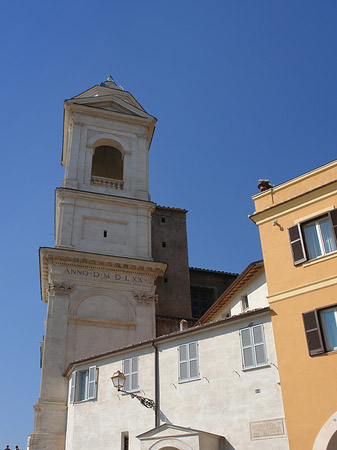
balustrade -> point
(109, 183)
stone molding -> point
(145, 298)
(91, 261)
(59, 289)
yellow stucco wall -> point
(309, 383)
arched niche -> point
(170, 444)
(102, 304)
(107, 162)
(327, 436)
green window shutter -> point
(313, 332)
(296, 244)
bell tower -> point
(99, 279)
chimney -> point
(183, 325)
(264, 185)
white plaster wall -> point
(223, 401)
(82, 219)
(256, 291)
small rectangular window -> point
(163, 219)
(244, 302)
(253, 347)
(130, 370)
(83, 385)
(125, 440)
(188, 361)
(105, 233)
(163, 244)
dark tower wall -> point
(169, 245)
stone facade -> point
(99, 280)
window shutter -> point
(73, 387)
(183, 362)
(296, 244)
(193, 354)
(333, 219)
(313, 332)
(127, 373)
(92, 382)
(247, 348)
(259, 345)
(134, 374)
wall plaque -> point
(267, 428)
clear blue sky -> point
(242, 90)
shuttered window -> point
(83, 385)
(314, 238)
(188, 361)
(130, 370)
(320, 326)
(253, 347)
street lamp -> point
(118, 380)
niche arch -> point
(170, 444)
(327, 436)
(102, 304)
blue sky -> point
(242, 90)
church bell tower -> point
(99, 279)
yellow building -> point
(297, 221)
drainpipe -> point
(156, 384)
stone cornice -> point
(101, 197)
(57, 256)
(296, 203)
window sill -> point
(189, 381)
(320, 259)
(77, 402)
(248, 369)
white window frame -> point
(76, 385)
(253, 346)
(317, 224)
(130, 373)
(188, 361)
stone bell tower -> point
(99, 279)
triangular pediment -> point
(112, 98)
(168, 431)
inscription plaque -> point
(267, 428)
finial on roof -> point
(111, 84)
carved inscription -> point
(266, 428)
(105, 276)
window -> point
(244, 302)
(320, 327)
(125, 440)
(202, 299)
(253, 347)
(188, 361)
(130, 370)
(83, 385)
(317, 237)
